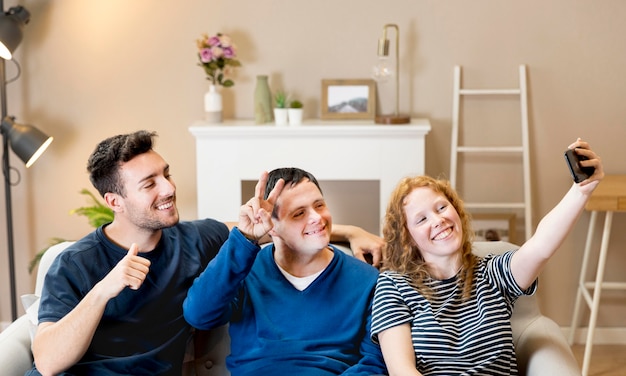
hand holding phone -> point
(579, 173)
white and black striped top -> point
(452, 336)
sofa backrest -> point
(46, 261)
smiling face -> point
(303, 222)
(434, 225)
(149, 202)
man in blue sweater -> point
(298, 306)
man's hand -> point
(365, 246)
(368, 247)
(131, 271)
(255, 216)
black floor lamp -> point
(26, 141)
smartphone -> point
(579, 173)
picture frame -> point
(494, 226)
(348, 99)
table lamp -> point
(383, 71)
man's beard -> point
(155, 223)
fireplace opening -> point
(351, 202)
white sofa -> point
(540, 345)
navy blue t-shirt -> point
(142, 332)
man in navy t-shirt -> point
(112, 302)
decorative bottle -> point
(262, 101)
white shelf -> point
(336, 128)
(239, 150)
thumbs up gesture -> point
(131, 271)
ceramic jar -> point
(213, 105)
(262, 101)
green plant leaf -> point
(295, 104)
(97, 214)
(281, 99)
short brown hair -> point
(104, 163)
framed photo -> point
(348, 99)
(494, 226)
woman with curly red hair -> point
(439, 309)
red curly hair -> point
(401, 254)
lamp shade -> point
(11, 24)
(27, 142)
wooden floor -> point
(606, 360)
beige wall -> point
(91, 69)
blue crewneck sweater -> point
(277, 329)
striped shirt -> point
(451, 335)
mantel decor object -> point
(217, 56)
(263, 111)
(213, 105)
(294, 112)
(348, 99)
(280, 108)
(382, 72)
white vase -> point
(280, 116)
(213, 105)
(295, 116)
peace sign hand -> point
(255, 216)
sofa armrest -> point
(543, 350)
(15, 354)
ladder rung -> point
(518, 151)
(496, 205)
(607, 285)
(489, 91)
(491, 149)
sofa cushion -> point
(30, 302)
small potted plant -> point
(280, 108)
(295, 112)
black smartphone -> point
(579, 173)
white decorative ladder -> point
(522, 149)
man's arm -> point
(59, 345)
(365, 246)
(208, 301)
(213, 294)
(372, 361)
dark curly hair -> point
(105, 161)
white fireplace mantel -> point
(239, 150)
